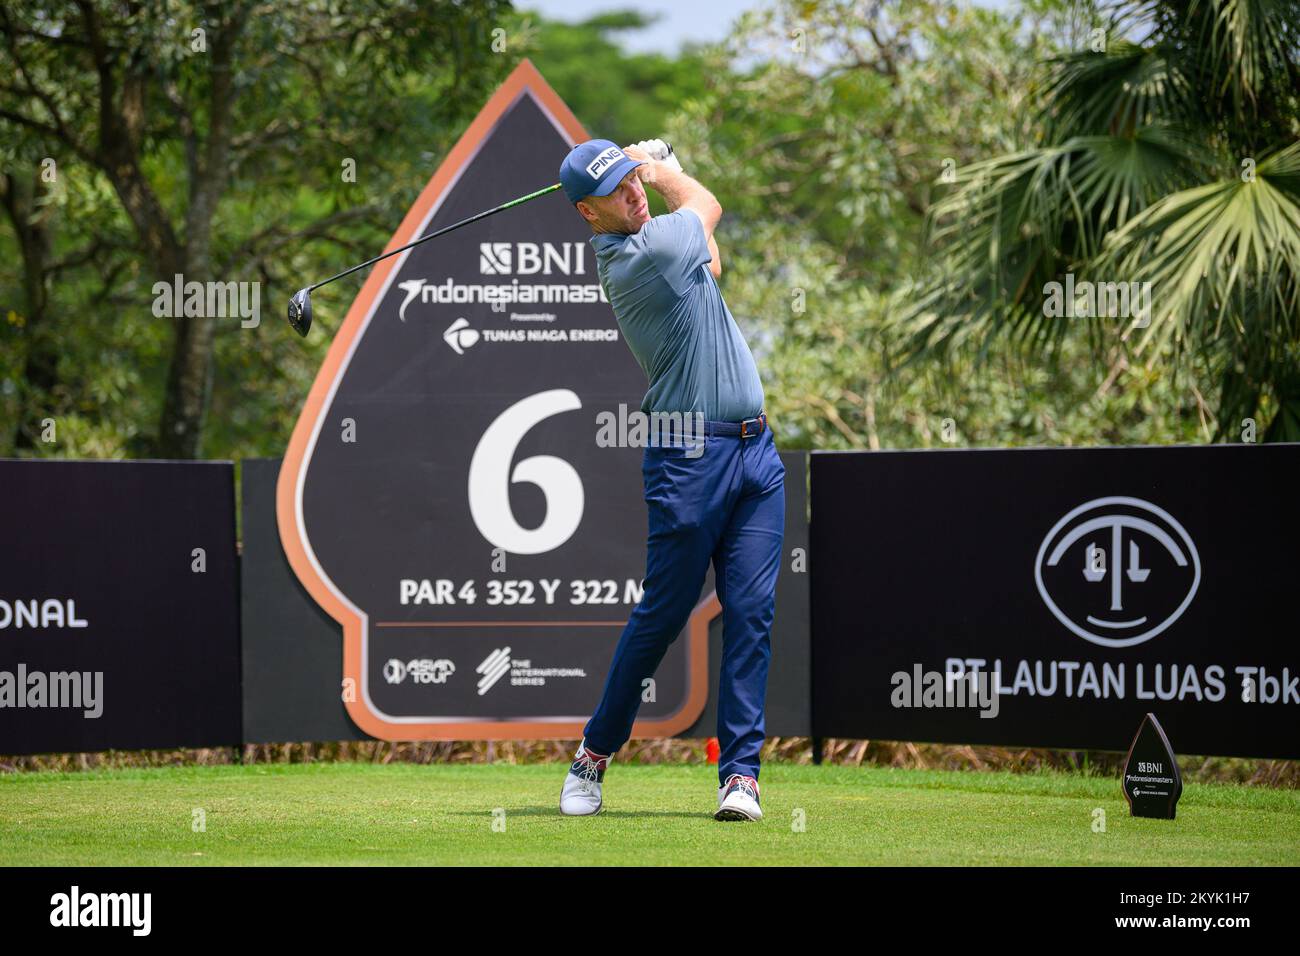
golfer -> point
(719, 497)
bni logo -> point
(532, 258)
(494, 258)
(1117, 571)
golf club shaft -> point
(441, 232)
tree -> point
(1171, 159)
(824, 153)
(221, 127)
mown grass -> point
(492, 814)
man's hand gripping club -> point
(663, 173)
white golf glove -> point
(661, 152)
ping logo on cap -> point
(606, 159)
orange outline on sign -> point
(524, 78)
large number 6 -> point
(489, 489)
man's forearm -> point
(678, 189)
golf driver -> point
(300, 304)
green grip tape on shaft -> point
(540, 192)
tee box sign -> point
(1085, 589)
(444, 497)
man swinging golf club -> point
(718, 497)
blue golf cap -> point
(594, 168)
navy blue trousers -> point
(724, 503)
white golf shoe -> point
(581, 794)
(738, 799)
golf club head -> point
(300, 311)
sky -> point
(701, 21)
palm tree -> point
(1172, 159)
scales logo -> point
(1117, 571)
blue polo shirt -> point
(674, 319)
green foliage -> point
(827, 129)
(825, 157)
(1170, 161)
(212, 140)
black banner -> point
(291, 651)
(1053, 597)
(119, 620)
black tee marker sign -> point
(1152, 781)
(444, 497)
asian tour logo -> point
(1117, 571)
(421, 671)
